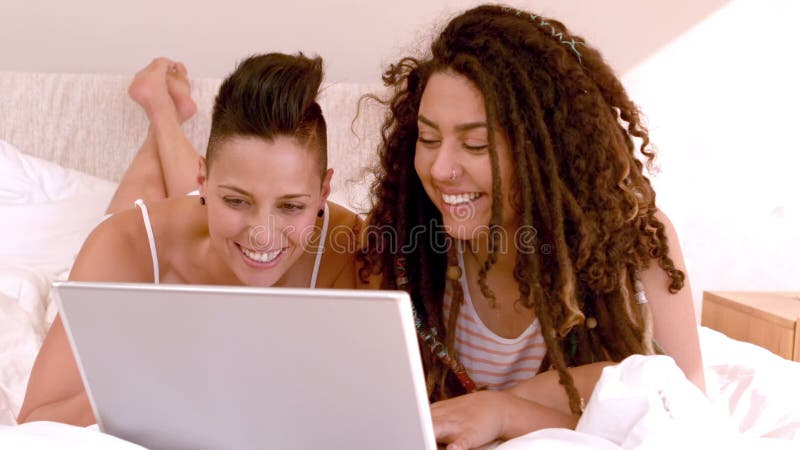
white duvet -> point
(646, 402)
(753, 396)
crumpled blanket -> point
(647, 402)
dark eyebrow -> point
(293, 196)
(245, 193)
(427, 122)
(471, 126)
(462, 127)
(235, 189)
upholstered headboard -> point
(88, 122)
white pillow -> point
(47, 211)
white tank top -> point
(154, 255)
(493, 361)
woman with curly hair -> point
(523, 226)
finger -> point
(466, 440)
(460, 444)
(445, 430)
(447, 415)
(438, 412)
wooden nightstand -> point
(768, 319)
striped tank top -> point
(493, 361)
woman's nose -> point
(264, 233)
(444, 163)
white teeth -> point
(261, 257)
(460, 198)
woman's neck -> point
(502, 311)
(505, 251)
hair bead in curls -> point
(577, 178)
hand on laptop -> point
(471, 420)
(474, 420)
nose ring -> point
(453, 175)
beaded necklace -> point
(428, 336)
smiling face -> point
(452, 156)
(262, 198)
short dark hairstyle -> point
(268, 96)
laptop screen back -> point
(199, 367)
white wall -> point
(356, 37)
(722, 98)
(722, 101)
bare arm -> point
(473, 420)
(546, 390)
(55, 391)
(674, 321)
(674, 328)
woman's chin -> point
(261, 279)
(465, 230)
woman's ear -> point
(202, 176)
(326, 187)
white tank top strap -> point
(321, 247)
(151, 239)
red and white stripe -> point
(491, 360)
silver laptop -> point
(201, 367)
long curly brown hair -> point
(578, 182)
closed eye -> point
(476, 148)
(235, 202)
(429, 142)
(293, 207)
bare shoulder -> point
(341, 247)
(344, 230)
(669, 229)
(655, 277)
(116, 250)
(346, 237)
(341, 216)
